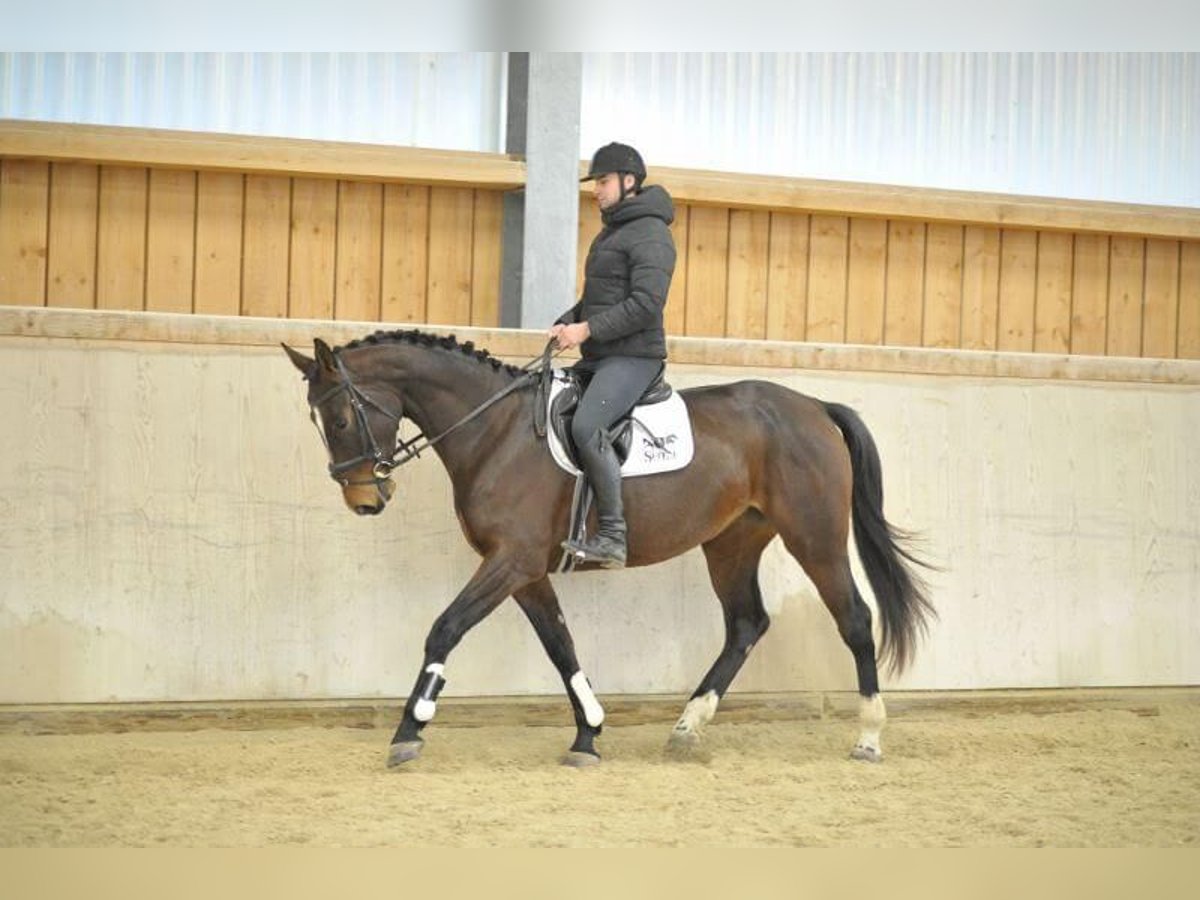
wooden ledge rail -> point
(162, 148)
(521, 345)
(925, 204)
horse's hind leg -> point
(733, 557)
(835, 583)
(540, 604)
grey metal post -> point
(551, 208)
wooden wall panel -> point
(359, 249)
(219, 209)
(451, 211)
(1125, 284)
(1052, 313)
(71, 244)
(405, 252)
(749, 243)
(24, 211)
(121, 238)
(486, 261)
(1188, 340)
(1161, 301)
(787, 285)
(828, 260)
(675, 314)
(170, 240)
(1018, 290)
(981, 287)
(707, 271)
(905, 283)
(1089, 303)
(313, 255)
(265, 246)
(866, 281)
(941, 324)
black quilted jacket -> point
(626, 277)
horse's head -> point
(358, 419)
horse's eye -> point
(341, 424)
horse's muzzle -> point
(369, 498)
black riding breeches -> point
(617, 382)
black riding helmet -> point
(618, 158)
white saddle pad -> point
(661, 438)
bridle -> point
(383, 462)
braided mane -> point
(434, 341)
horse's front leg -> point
(540, 604)
(492, 582)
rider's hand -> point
(568, 336)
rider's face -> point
(607, 189)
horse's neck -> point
(441, 393)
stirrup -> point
(595, 550)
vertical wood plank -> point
(828, 254)
(1188, 340)
(707, 271)
(219, 243)
(170, 240)
(866, 282)
(1052, 312)
(121, 239)
(981, 287)
(1018, 290)
(1127, 266)
(1089, 301)
(450, 214)
(265, 246)
(1161, 307)
(675, 314)
(905, 283)
(487, 245)
(749, 242)
(71, 265)
(24, 212)
(359, 249)
(313, 255)
(942, 317)
(405, 252)
(787, 287)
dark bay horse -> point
(769, 461)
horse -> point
(769, 461)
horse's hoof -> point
(686, 746)
(402, 752)
(579, 759)
(866, 754)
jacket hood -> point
(650, 201)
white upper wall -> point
(1108, 126)
(451, 101)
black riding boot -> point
(607, 545)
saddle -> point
(565, 401)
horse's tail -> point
(900, 593)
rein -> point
(535, 369)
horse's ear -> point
(299, 360)
(324, 355)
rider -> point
(618, 327)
